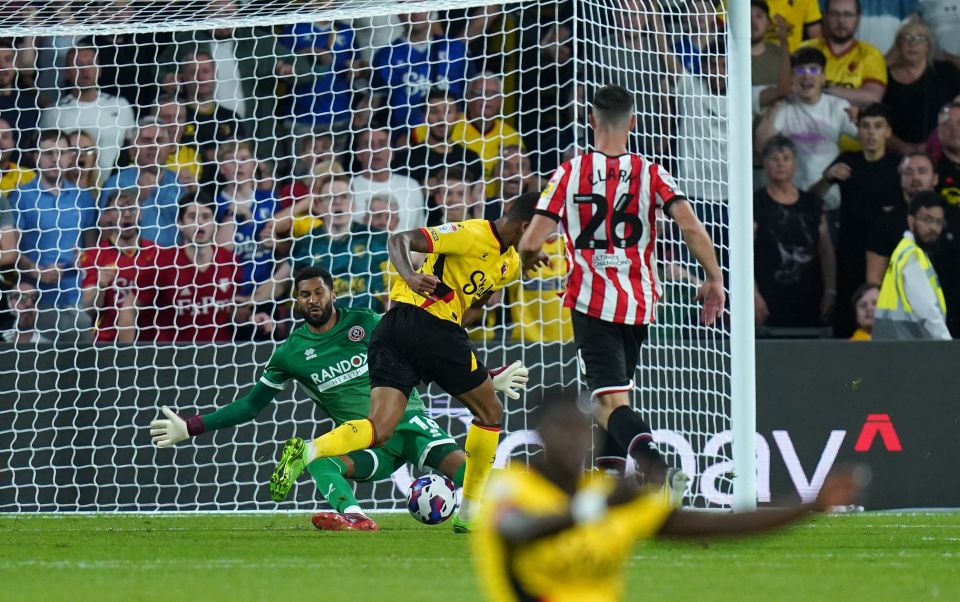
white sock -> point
(353, 510)
(309, 452)
(468, 509)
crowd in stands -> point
(163, 187)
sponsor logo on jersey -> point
(356, 333)
(340, 372)
(309, 354)
(603, 260)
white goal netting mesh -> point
(166, 166)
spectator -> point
(373, 155)
(197, 283)
(700, 31)
(55, 219)
(129, 61)
(918, 173)
(209, 123)
(536, 307)
(303, 216)
(483, 130)
(451, 198)
(633, 56)
(814, 121)
(183, 157)
(310, 151)
(406, 70)
(122, 268)
(855, 70)
(865, 303)
(323, 78)
(242, 212)
(546, 79)
(85, 173)
(382, 213)
(769, 63)
(435, 146)
(803, 19)
(911, 304)
(918, 87)
(18, 104)
(948, 166)
(795, 271)
(240, 67)
(9, 236)
(22, 299)
(355, 254)
(11, 173)
(866, 181)
(702, 129)
(107, 118)
(159, 190)
(515, 175)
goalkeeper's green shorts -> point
(418, 440)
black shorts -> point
(411, 345)
(607, 353)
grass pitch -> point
(912, 556)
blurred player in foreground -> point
(422, 339)
(553, 533)
(327, 356)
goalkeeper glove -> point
(507, 379)
(174, 429)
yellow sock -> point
(349, 436)
(480, 449)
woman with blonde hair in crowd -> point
(918, 86)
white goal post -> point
(260, 109)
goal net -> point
(166, 166)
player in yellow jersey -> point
(552, 533)
(421, 338)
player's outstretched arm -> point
(698, 241)
(840, 489)
(175, 429)
(531, 243)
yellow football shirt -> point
(580, 564)
(798, 14)
(185, 158)
(469, 259)
(14, 176)
(487, 145)
(860, 64)
(536, 304)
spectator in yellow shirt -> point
(12, 175)
(856, 71)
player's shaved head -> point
(612, 106)
(565, 430)
(523, 207)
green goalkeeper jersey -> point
(331, 367)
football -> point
(432, 499)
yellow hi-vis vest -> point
(894, 317)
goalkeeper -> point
(328, 357)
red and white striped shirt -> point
(607, 206)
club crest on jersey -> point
(309, 354)
(356, 333)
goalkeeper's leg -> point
(386, 409)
